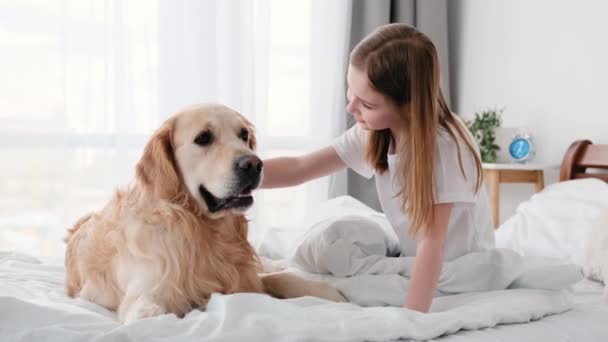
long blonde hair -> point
(401, 63)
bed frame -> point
(583, 155)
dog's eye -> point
(204, 138)
(244, 135)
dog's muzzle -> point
(248, 171)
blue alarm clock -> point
(521, 148)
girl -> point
(425, 163)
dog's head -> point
(208, 151)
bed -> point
(581, 156)
(587, 320)
(34, 307)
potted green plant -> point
(483, 128)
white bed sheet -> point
(587, 321)
(34, 308)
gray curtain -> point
(430, 17)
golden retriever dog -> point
(178, 232)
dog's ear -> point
(253, 143)
(156, 170)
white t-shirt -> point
(470, 228)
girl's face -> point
(371, 109)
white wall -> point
(545, 61)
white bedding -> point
(350, 252)
(587, 321)
(34, 307)
(557, 221)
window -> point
(86, 82)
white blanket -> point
(33, 307)
(351, 253)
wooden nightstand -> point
(496, 173)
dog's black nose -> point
(250, 165)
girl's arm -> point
(290, 171)
(429, 261)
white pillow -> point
(282, 242)
(342, 246)
(595, 265)
(557, 221)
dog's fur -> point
(158, 246)
(595, 265)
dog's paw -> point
(289, 285)
(131, 310)
(325, 291)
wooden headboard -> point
(581, 155)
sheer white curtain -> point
(85, 82)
